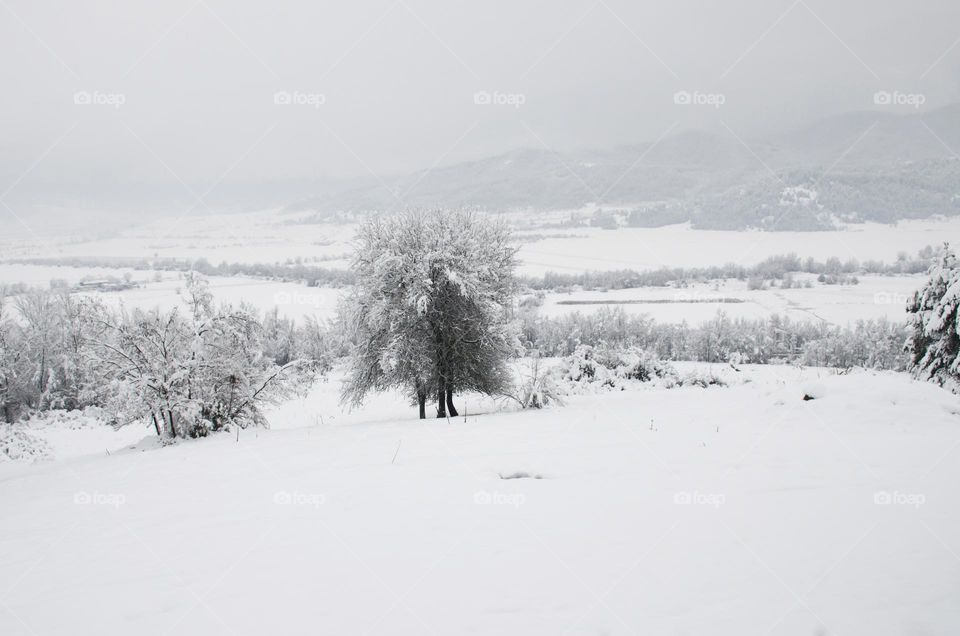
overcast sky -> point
(186, 90)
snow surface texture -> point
(737, 510)
(61, 434)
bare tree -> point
(432, 309)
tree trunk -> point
(441, 400)
(156, 424)
(422, 402)
(173, 427)
(450, 407)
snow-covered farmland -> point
(874, 297)
(718, 511)
(271, 237)
(256, 237)
(293, 300)
(681, 246)
(41, 275)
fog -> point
(185, 93)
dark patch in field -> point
(651, 301)
(520, 475)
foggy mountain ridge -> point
(861, 165)
(852, 167)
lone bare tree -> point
(431, 313)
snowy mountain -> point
(860, 166)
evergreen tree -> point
(934, 342)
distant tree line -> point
(773, 268)
(295, 270)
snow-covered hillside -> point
(717, 180)
(737, 510)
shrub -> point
(642, 365)
(702, 379)
(537, 387)
(591, 368)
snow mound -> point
(19, 445)
(64, 434)
(88, 418)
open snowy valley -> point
(155, 255)
(433, 317)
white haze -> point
(398, 79)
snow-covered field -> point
(293, 300)
(681, 246)
(41, 275)
(267, 237)
(739, 510)
(873, 297)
